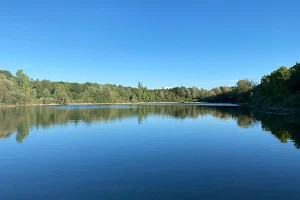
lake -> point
(146, 152)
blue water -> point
(147, 152)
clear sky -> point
(203, 43)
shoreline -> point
(137, 103)
(27, 105)
(268, 110)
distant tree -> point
(280, 88)
(61, 95)
(294, 81)
(6, 73)
(243, 86)
(25, 92)
(46, 93)
(7, 92)
(275, 84)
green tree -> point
(25, 92)
(294, 81)
(7, 93)
(244, 89)
(61, 95)
(275, 84)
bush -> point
(293, 101)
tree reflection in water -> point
(20, 120)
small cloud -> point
(167, 87)
(220, 81)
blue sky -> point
(203, 43)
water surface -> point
(147, 152)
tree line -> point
(280, 88)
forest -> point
(281, 88)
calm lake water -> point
(155, 152)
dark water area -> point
(146, 152)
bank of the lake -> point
(122, 103)
(267, 110)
